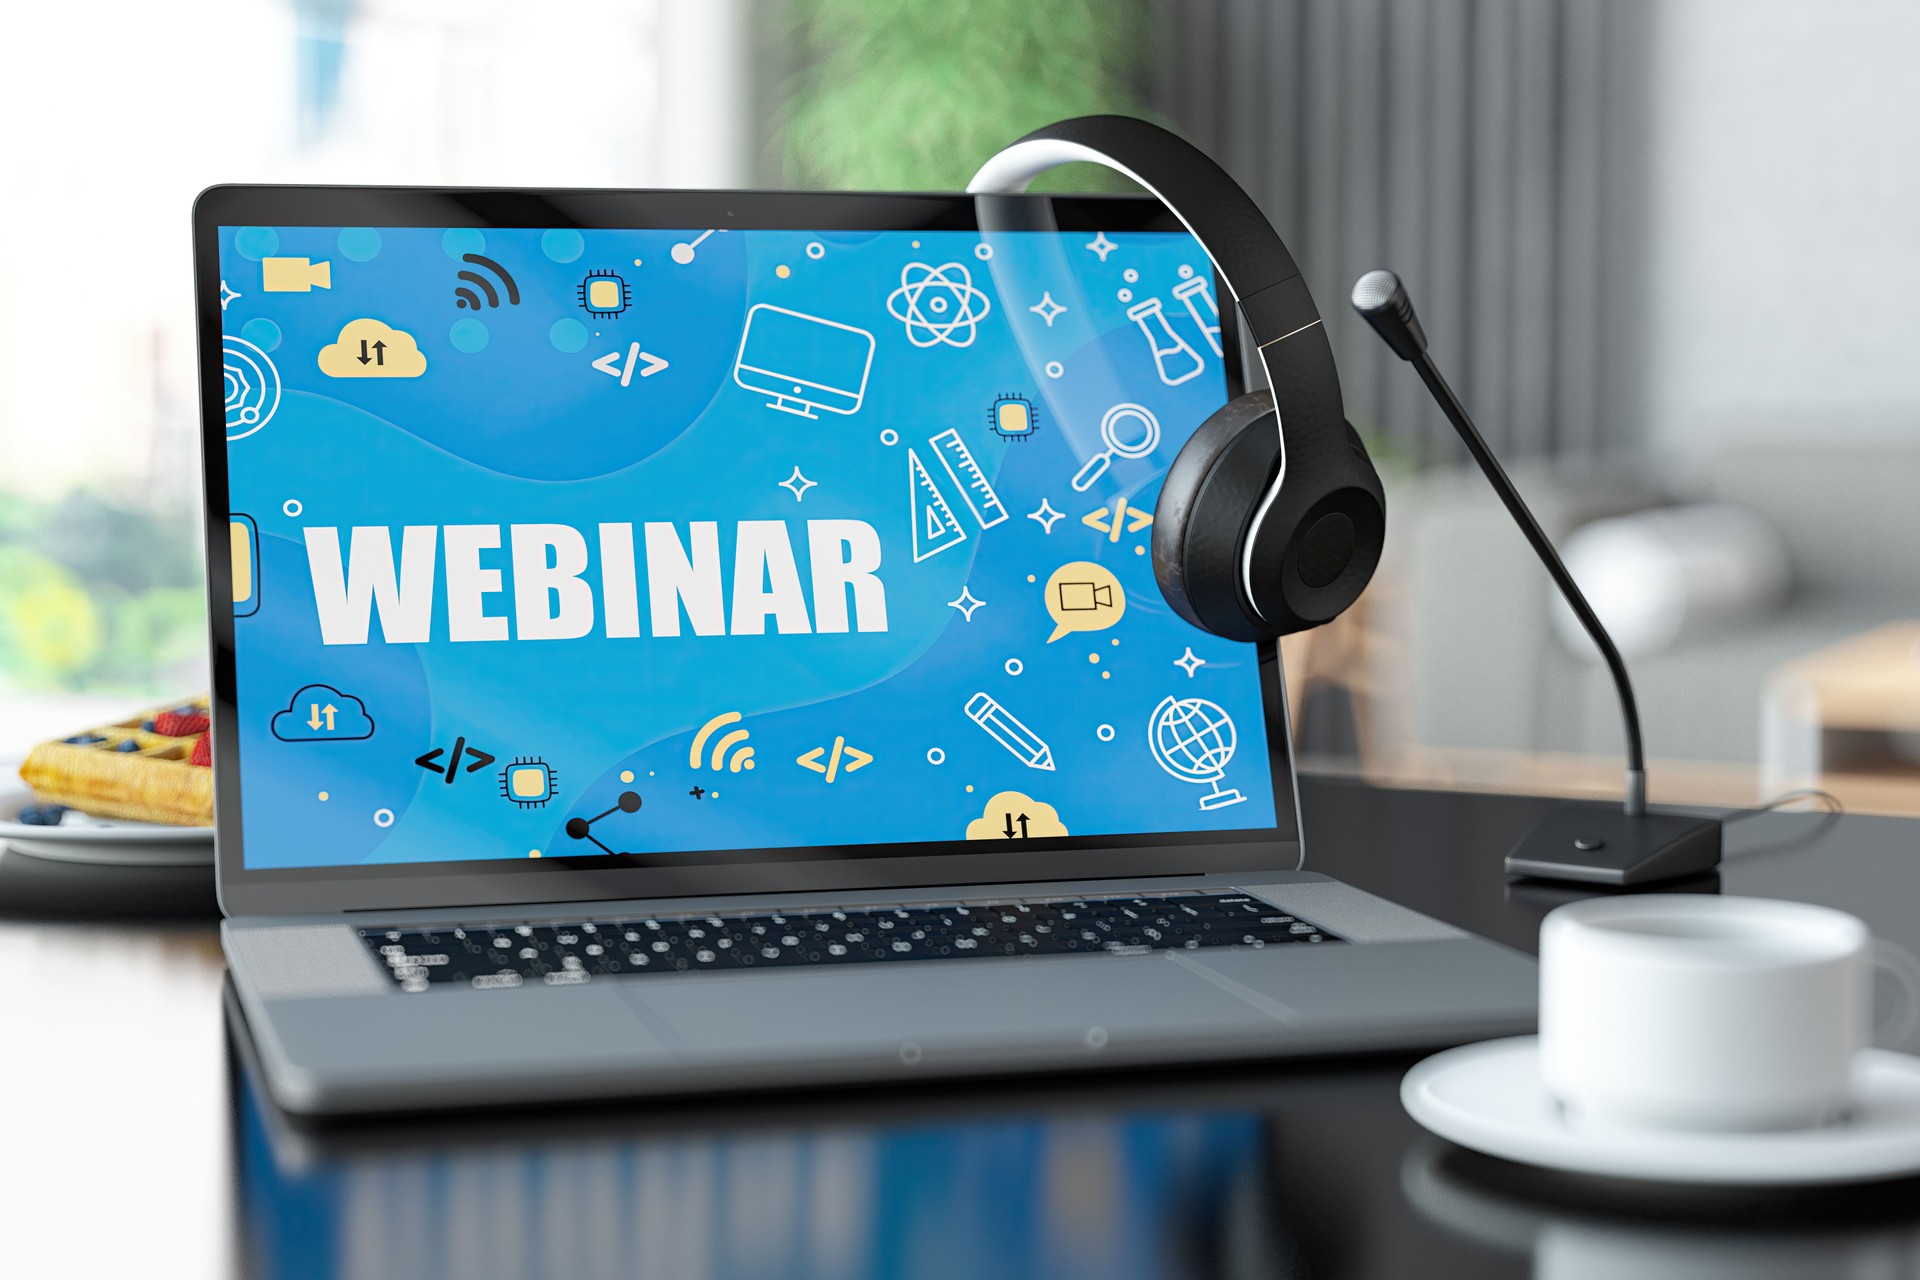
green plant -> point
(913, 94)
(98, 595)
(50, 627)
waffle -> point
(151, 767)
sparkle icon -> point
(1045, 515)
(1189, 662)
(228, 293)
(1047, 309)
(1101, 245)
(798, 484)
(965, 603)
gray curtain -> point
(1491, 151)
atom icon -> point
(938, 304)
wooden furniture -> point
(1846, 718)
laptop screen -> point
(692, 544)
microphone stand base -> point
(1608, 847)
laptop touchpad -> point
(977, 1002)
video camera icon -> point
(1078, 597)
(1083, 596)
(294, 275)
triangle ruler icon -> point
(935, 527)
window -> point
(101, 597)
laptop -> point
(680, 642)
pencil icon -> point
(1009, 732)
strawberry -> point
(179, 724)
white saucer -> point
(1489, 1097)
(81, 837)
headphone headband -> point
(1245, 249)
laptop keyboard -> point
(512, 954)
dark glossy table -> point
(136, 1142)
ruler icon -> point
(974, 487)
(935, 527)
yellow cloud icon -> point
(366, 348)
(1014, 815)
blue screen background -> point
(513, 422)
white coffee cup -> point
(1700, 1012)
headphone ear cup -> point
(1200, 521)
(1313, 552)
(1317, 546)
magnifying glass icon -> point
(1110, 427)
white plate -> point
(1490, 1097)
(82, 837)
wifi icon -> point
(742, 758)
(467, 299)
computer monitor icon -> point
(803, 362)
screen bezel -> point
(516, 881)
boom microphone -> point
(1631, 846)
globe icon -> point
(1193, 740)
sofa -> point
(1480, 664)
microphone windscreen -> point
(1382, 300)
(1374, 289)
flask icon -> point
(1175, 360)
(1193, 291)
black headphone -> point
(1254, 536)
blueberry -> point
(43, 815)
(128, 746)
(84, 739)
(147, 725)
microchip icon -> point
(1012, 418)
(604, 294)
(529, 782)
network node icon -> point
(529, 782)
(604, 295)
(582, 828)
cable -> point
(1834, 807)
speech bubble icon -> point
(1083, 596)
